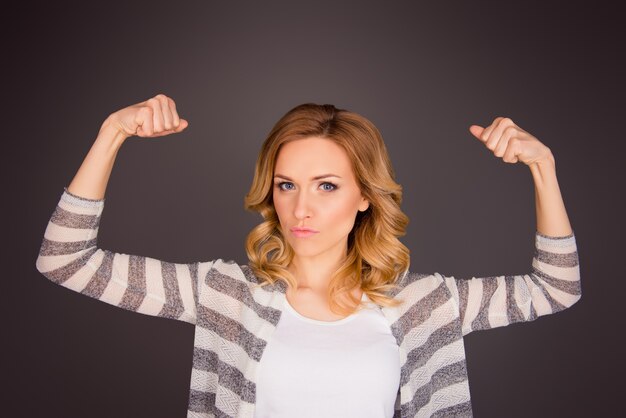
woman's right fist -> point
(154, 117)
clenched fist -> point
(510, 142)
(154, 117)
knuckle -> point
(510, 130)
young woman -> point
(325, 320)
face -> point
(316, 197)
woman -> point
(326, 320)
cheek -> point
(340, 212)
(280, 206)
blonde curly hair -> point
(376, 259)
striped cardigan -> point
(234, 317)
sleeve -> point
(552, 285)
(69, 256)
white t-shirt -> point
(324, 369)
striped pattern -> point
(235, 317)
(69, 257)
(440, 310)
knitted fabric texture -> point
(234, 317)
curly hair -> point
(376, 258)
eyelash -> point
(281, 185)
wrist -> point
(111, 135)
(547, 160)
(543, 166)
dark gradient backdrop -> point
(421, 71)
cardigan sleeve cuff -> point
(84, 202)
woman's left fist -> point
(510, 142)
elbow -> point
(574, 296)
(42, 264)
(58, 267)
(61, 267)
(578, 295)
(45, 258)
(578, 287)
(39, 265)
(574, 300)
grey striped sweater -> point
(234, 317)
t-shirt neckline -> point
(341, 321)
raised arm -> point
(69, 255)
(553, 282)
(511, 143)
(154, 117)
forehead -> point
(313, 156)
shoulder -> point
(222, 270)
(410, 282)
(424, 297)
(229, 273)
(410, 278)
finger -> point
(487, 132)
(476, 131)
(175, 117)
(162, 133)
(501, 147)
(512, 149)
(157, 114)
(165, 110)
(181, 126)
(504, 141)
(496, 134)
(144, 121)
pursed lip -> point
(303, 232)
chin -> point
(310, 248)
(300, 250)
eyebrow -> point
(322, 176)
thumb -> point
(476, 130)
(181, 126)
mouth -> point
(303, 232)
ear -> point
(364, 205)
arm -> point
(69, 254)
(154, 117)
(553, 283)
(552, 218)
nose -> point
(302, 209)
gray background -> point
(423, 72)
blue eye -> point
(285, 185)
(328, 187)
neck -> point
(315, 273)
